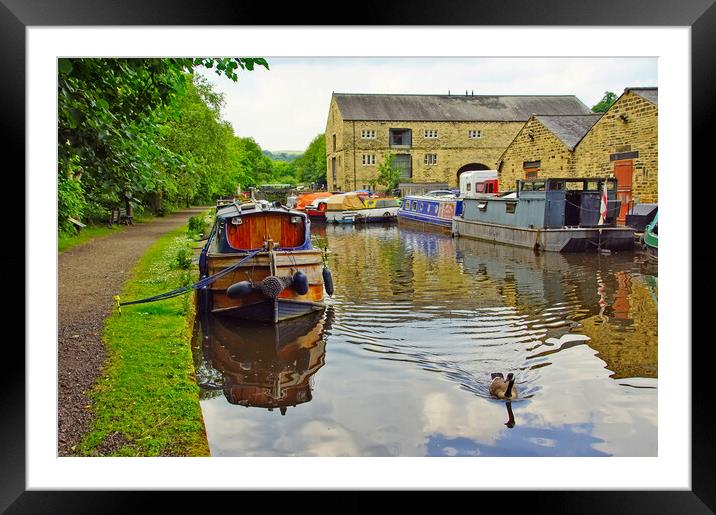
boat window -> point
(490, 188)
(420, 206)
(415, 205)
(556, 185)
(480, 187)
(482, 206)
(592, 186)
(467, 187)
(538, 186)
(510, 207)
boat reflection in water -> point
(264, 365)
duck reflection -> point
(511, 417)
(266, 365)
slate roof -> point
(497, 108)
(570, 129)
(650, 94)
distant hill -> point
(282, 155)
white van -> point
(478, 183)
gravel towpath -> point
(89, 275)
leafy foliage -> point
(143, 132)
(311, 165)
(605, 103)
(388, 174)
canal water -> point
(400, 362)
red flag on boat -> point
(603, 205)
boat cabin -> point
(549, 203)
(246, 227)
(373, 203)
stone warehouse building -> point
(621, 143)
(434, 138)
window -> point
(400, 137)
(510, 207)
(368, 159)
(482, 206)
(431, 133)
(334, 143)
(468, 187)
(474, 134)
(431, 159)
(403, 163)
(367, 134)
(415, 205)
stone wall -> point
(554, 156)
(612, 135)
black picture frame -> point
(16, 15)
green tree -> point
(388, 174)
(605, 103)
(311, 165)
(112, 128)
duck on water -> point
(501, 388)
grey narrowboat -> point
(549, 214)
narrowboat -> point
(429, 211)
(351, 208)
(265, 365)
(651, 238)
(267, 268)
(550, 214)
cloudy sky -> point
(285, 107)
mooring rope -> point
(206, 281)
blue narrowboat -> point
(430, 211)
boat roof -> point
(251, 208)
(431, 197)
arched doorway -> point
(470, 167)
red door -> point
(623, 171)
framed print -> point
(391, 392)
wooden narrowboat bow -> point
(281, 277)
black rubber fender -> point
(240, 289)
(300, 283)
(328, 281)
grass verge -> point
(147, 402)
(66, 241)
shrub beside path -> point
(88, 277)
